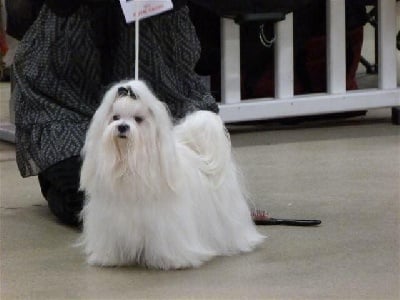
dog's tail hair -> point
(205, 133)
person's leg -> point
(57, 90)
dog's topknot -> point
(126, 92)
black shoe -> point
(66, 206)
(44, 185)
(60, 187)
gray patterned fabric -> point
(64, 64)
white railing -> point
(285, 104)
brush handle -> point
(288, 222)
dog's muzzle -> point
(122, 130)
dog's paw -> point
(181, 263)
(95, 260)
(169, 266)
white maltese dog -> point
(159, 195)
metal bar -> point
(336, 46)
(258, 109)
(230, 62)
(387, 44)
(284, 83)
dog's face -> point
(131, 133)
(129, 114)
(129, 138)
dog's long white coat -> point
(165, 196)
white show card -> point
(142, 9)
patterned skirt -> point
(64, 64)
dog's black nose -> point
(123, 128)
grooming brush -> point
(261, 217)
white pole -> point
(336, 47)
(230, 62)
(136, 43)
(284, 78)
(387, 67)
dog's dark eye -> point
(115, 117)
(138, 119)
